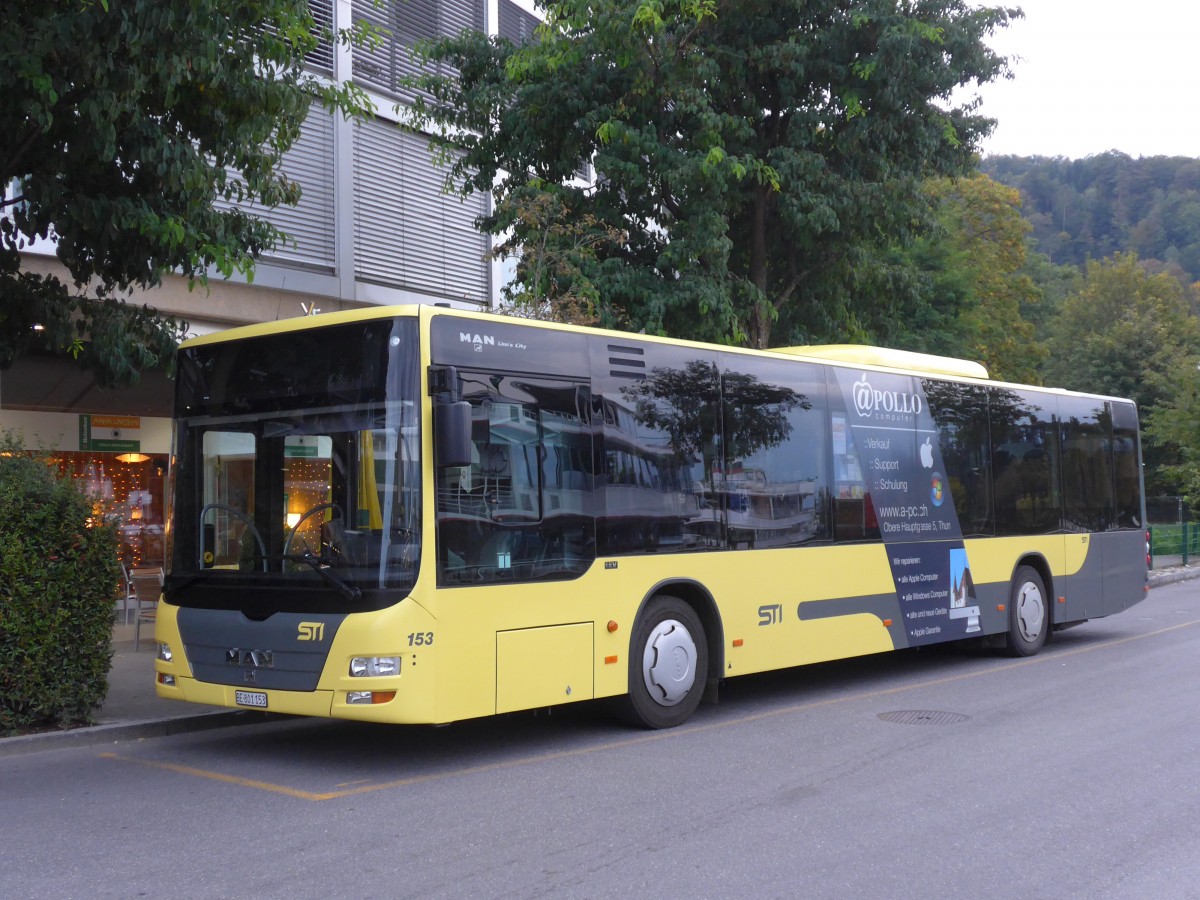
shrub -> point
(58, 582)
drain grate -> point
(923, 717)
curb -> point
(1174, 576)
(116, 732)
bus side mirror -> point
(452, 434)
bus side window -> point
(1126, 468)
(960, 412)
(1088, 498)
(1025, 462)
(521, 510)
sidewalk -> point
(132, 711)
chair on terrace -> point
(147, 588)
(127, 599)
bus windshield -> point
(298, 466)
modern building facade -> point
(374, 226)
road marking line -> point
(628, 742)
(216, 776)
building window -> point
(129, 494)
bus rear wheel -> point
(1028, 613)
(668, 664)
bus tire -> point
(1028, 613)
(668, 664)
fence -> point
(1174, 545)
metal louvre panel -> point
(311, 222)
(514, 23)
(407, 233)
(422, 208)
(321, 59)
(464, 247)
(404, 23)
(377, 188)
(455, 15)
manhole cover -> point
(923, 717)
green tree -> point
(755, 156)
(129, 126)
(1123, 334)
(1127, 333)
(549, 281)
(977, 291)
(1054, 284)
(1091, 208)
(1173, 430)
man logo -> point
(479, 340)
(311, 631)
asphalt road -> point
(945, 772)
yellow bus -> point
(422, 515)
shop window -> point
(127, 493)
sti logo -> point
(479, 340)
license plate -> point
(257, 699)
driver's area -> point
(330, 499)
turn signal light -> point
(359, 698)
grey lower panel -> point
(884, 606)
(286, 651)
(1126, 574)
(1113, 578)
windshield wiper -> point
(321, 567)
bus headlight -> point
(374, 666)
(164, 652)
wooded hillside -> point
(1094, 207)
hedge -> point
(58, 586)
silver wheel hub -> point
(1031, 611)
(669, 662)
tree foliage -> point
(1123, 334)
(754, 156)
(550, 282)
(976, 290)
(1173, 430)
(131, 127)
(58, 580)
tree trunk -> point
(759, 331)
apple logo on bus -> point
(927, 454)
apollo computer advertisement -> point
(891, 439)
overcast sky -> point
(1097, 75)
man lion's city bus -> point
(420, 515)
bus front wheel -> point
(668, 664)
(1028, 613)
